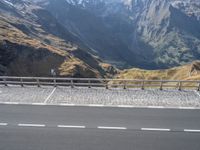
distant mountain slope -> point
(108, 35)
(32, 42)
(150, 34)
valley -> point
(98, 38)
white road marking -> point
(99, 105)
(96, 105)
(70, 126)
(125, 106)
(101, 127)
(197, 93)
(66, 104)
(156, 107)
(31, 125)
(11, 103)
(49, 95)
(0, 92)
(186, 108)
(111, 128)
(191, 130)
(38, 104)
(154, 129)
(3, 124)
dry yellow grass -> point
(74, 67)
(177, 73)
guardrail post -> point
(107, 86)
(142, 85)
(38, 82)
(89, 85)
(180, 86)
(72, 84)
(161, 85)
(21, 80)
(198, 89)
(54, 81)
(4, 80)
(125, 85)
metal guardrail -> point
(95, 82)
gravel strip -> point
(24, 94)
(135, 97)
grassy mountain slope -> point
(186, 72)
(32, 43)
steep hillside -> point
(150, 34)
(92, 29)
(32, 42)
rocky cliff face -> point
(150, 34)
(172, 30)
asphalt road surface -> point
(25, 127)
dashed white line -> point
(111, 128)
(101, 127)
(3, 124)
(191, 130)
(155, 129)
(70, 126)
(50, 95)
(31, 125)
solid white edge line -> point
(12, 103)
(155, 129)
(31, 125)
(70, 126)
(96, 105)
(39, 104)
(3, 124)
(125, 106)
(187, 108)
(157, 107)
(45, 101)
(191, 130)
(67, 104)
(111, 128)
(99, 105)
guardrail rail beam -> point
(94, 82)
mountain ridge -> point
(134, 34)
(88, 35)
